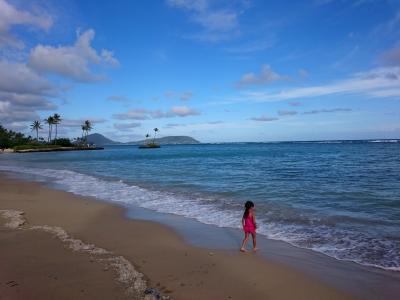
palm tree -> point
(155, 132)
(83, 132)
(147, 137)
(50, 122)
(86, 127)
(36, 125)
(57, 120)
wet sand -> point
(31, 259)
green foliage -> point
(64, 142)
(9, 138)
(18, 141)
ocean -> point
(340, 198)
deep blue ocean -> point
(341, 198)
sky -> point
(218, 71)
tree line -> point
(55, 120)
(11, 139)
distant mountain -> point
(99, 140)
(169, 140)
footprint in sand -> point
(11, 283)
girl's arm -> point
(243, 222)
(254, 219)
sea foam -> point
(295, 228)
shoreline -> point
(34, 150)
(185, 271)
(365, 282)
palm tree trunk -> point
(55, 139)
(37, 134)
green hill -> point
(168, 140)
(99, 140)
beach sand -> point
(112, 252)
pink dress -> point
(249, 226)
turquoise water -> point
(339, 198)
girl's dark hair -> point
(247, 206)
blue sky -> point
(219, 71)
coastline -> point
(168, 263)
(55, 149)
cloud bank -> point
(372, 83)
(11, 16)
(72, 62)
(146, 114)
(267, 75)
(218, 24)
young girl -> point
(249, 225)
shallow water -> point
(338, 198)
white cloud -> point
(295, 103)
(386, 93)
(388, 28)
(79, 122)
(146, 114)
(183, 111)
(118, 98)
(266, 76)
(123, 136)
(287, 112)
(218, 23)
(125, 126)
(203, 125)
(26, 101)
(346, 58)
(23, 93)
(392, 57)
(196, 5)
(330, 110)
(186, 96)
(18, 78)
(11, 16)
(370, 83)
(264, 118)
(71, 61)
(9, 115)
(302, 73)
(134, 114)
(169, 94)
(174, 125)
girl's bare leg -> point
(253, 235)
(246, 237)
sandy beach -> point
(67, 247)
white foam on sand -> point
(127, 275)
(339, 243)
(14, 218)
